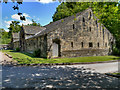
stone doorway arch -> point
(56, 51)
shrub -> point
(36, 53)
(17, 49)
(116, 51)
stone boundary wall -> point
(85, 52)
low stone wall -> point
(85, 52)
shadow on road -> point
(55, 77)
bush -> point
(17, 49)
(116, 51)
(36, 53)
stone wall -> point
(85, 52)
(34, 44)
(15, 45)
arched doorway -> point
(56, 48)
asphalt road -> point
(55, 77)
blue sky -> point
(41, 12)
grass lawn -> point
(116, 73)
(25, 58)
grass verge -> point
(26, 58)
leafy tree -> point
(34, 23)
(14, 27)
(4, 37)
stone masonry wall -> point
(33, 44)
(15, 45)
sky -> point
(41, 12)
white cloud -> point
(26, 15)
(28, 21)
(45, 1)
(17, 17)
(7, 23)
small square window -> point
(90, 44)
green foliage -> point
(14, 27)
(17, 49)
(62, 20)
(4, 37)
(34, 23)
(116, 51)
(37, 53)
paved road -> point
(101, 67)
(55, 77)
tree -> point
(14, 27)
(4, 38)
(34, 23)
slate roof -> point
(15, 35)
(32, 29)
(54, 25)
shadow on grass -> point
(28, 54)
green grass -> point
(26, 58)
(116, 73)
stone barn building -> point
(74, 36)
(15, 40)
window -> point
(83, 19)
(90, 29)
(73, 26)
(98, 45)
(90, 16)
(82, 44)
(72, 44)
(90, 44)
(103, 33)
(96, 22)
